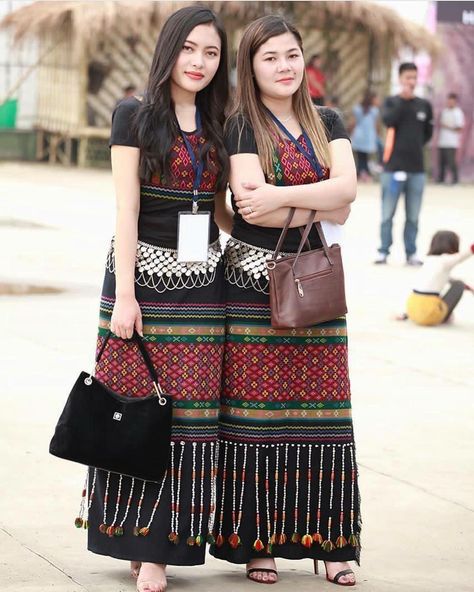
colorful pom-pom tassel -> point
(119, 531)
(144, 531)
(173, 538)
(199, 540)
(307, 541)
(281, 538)
(86, 524)
(78, 522)
(219, 540)
(211, 539)
(273, 539)
(234, 540)
(341, 542)
(295, 537)
(317, 538)
(269, 549)
(353, 540)
(190, 541)
(328, 546)
(103, 528)
(258, 545)
(110, 531)
(136, 531)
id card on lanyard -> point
(193, 226)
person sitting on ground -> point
(436, 294)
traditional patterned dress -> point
(182, 306)
(287, 475)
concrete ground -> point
(413, 394)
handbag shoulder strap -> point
(141, 346)
(284, 232)
(304, 237)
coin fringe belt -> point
(158, 267)
(246, 265)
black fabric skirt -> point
(184, 331)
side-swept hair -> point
(248, 104)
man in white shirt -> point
(451, 124)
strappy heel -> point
(337, 577)
(262, 570)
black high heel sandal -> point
(262, 570)
(337, 577)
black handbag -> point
(121, 434)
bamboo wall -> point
(61, 84)
(352, 63)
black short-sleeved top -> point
(161, 200)
(290, 168)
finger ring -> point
(249, 210)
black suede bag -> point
(121, 434)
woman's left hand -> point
(255, 200)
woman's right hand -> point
(126, 317)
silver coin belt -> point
(159, 268)
(246, 265)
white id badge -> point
(193, 236)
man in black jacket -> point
(410, 120)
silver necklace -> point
(286, 120)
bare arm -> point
(256, 199)
(223, 215)
(126, 314)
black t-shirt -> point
(292, 169)
(413, 123)
(161, 200)
(122, 133)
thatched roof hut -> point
(90, 50)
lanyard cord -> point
(198, 165)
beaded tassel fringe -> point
(130, 494)
(308, 514)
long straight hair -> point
(249, 105)
(156, 123)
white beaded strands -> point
(274, 538)
(328, 545)
(317, 537)
(220, 536)
(103, 526)
(111, 528)
(341, 540)
(353, 538)
(211, 539)
(307, 539)
(192, 538)
(200, 539)
(173, 537)
(234, 538)
(296, 537)
(258, 544)
(82, 519)
(268, 548)
(281, 539)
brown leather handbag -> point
(306, 288)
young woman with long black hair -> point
(167, 157)
(287, 477)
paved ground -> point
(412, 396)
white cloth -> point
(449, 138)
(436, 270)
(332, 232)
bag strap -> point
(304, 237)
(284, 232)
(141, 346)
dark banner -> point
(461, 13)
